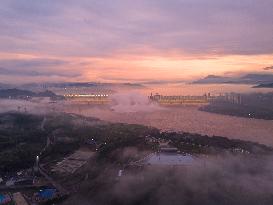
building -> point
(5, 199)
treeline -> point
(21, 139)
(203, 144)
(26, 94)
(254, 105)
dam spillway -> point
(181, 100)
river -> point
(190, 119)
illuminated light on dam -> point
(180, 100)
(88, 98)
(85, 95)
(157, 98)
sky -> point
(133, 41)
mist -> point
(39, 107)
(230, 180)
(132, 102)
(134, 108)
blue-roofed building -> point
(47, 194)
(5, 199)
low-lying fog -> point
(211, 181)
(229, 180)
(135, 108)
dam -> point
(157, 98)
(88, 98)
(182, 100)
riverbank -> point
(238, 110)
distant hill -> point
(267, 85)
(132, 84)
(246, 79)
(80, 84)
(269, 68)
(14, 93)
(211, 79)
(58, 85)
(257, 78)
(24, 94)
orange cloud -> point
(136, 67)
(173, 67)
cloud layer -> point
(103, 29)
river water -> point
(190, 119)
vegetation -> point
(24, 136)
(21, 139)
(26, 94)
(200, 144)
(255, 105)
(264, 85)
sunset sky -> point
(133, 40)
